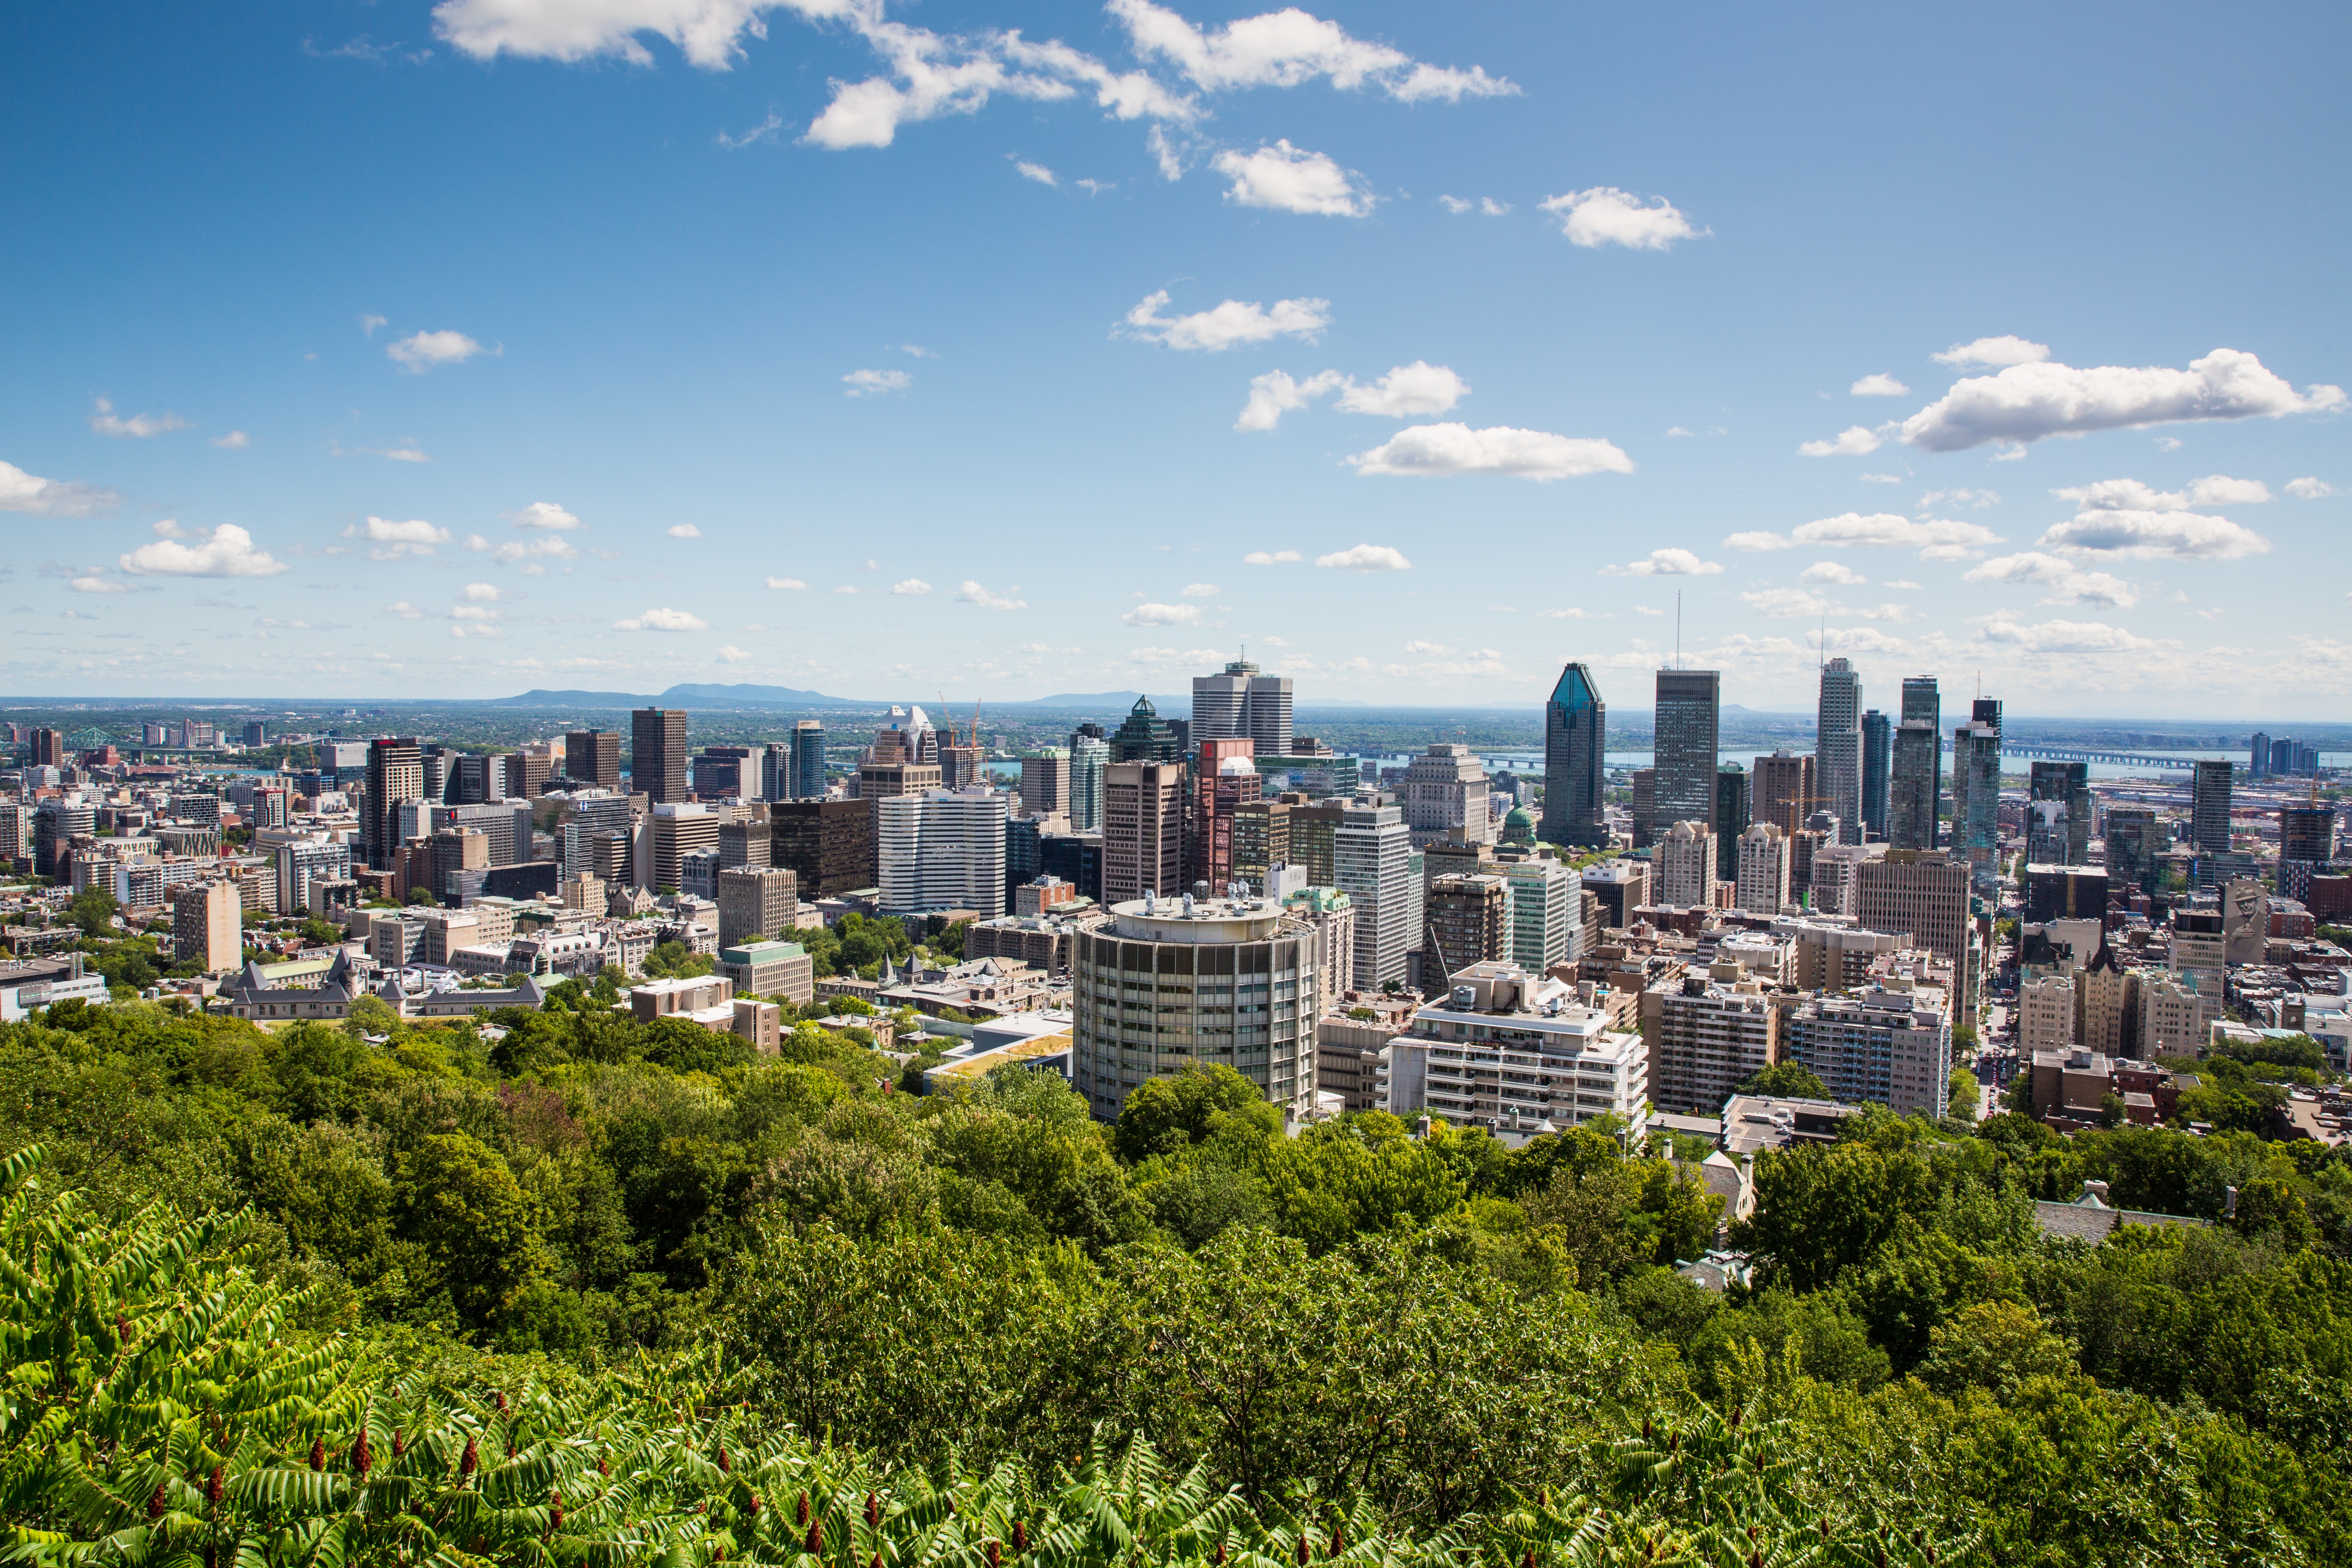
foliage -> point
(1784, 1080)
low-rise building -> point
(1517, 1055)
(773, 969)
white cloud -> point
(873, 382)
(367, 325)
(1271, 557)
(527, 551)
(1407, 392)
(484, 593)
(1568, 613)
(2068, 583)
(2307, 488)
(21, 491)
(2029, 402)
(1788, 601)
(1936, 539)
(911, 587)
(786, 583)
(845, 588)
(1607, 215)
(543, 514)
(1037, 172)
(1756, 540)
(918, 351)
(1200, 590)
(1899, 583)
(1366, 558)
(973, 593)
(226, 552)
(730, 654)
(1096, 187)
(1880, 386)
(2067, 636)
(1880, 479)
(1426, 647)
(138, 427)
(403, 609)
(408, 451)
(1485, 205)
(1979, 499)
(1291, 179)
(1667, 563)
(1456, 448)
(235, 441)
(94, 583)
(1289, 47)
(394, 540)
(2131, 495)
(1162, 615)
(1230, 323)
(1836, 572)
(1274, 394)
(1854, 441)
(2002, 350)
(2157, 535)
(764, 132)
(475, 613)
(683, 531)
(663, 620)
(1679, 431)
(421, 351)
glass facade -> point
(1576, 731)
(1687, 737)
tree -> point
(92, 911)
(460, 1203)
(1167, 1115)
(1965, 1096)
(1784, 1080)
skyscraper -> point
(1731, 818)
(1976, 798)
(1915, 785)
(1877, 755)
(1143, 829)
(807, 780)
(1576, 733)
(1685, 865)
(2259, 762)
(1089, 755)
(2058, 815)
(395, 772)
(2307, 841)
(1444, 797)
(1372, 854)
(657, 754)
(2135, 849)
(942, 849)
(1145, 737)
(1224, 779)
(1686, 725)
(1785, 791)
(1240, 702)
(2209, 818)
(593, 757)
(1837, 746)
(1045, 781)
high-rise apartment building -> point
(755, 903)
(1466, 920)
(1785, 792)
(657, 754)
(1372, 853)
(1732, 807)
(2208, 820)
(1877, 762)
(1576, 735)
(1143, 830)
(1089, 755)
(593, 757)
(1890, 1043)
(805, 779)
(1837, 746)
(1705, 1038)
(1763, 875)
(1975, 800)
(209, 925)
(2058, 815)
(1444, 795)
(942, 849)
(1687, 731)
(1686, 862)
(2136, 846)
(395, 772)
(1045, 781)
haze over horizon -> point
(439, 351)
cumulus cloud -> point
(484, 593)
(1037, 172)
(2131, 495)
(1854, 441)
(1271, 557)
(2067, 581)
(226, 552)
(973, 593)
(786, 583)
(730, 654)
(402, 608)
(1667, 563)
(1229, 324)
(2029, 402)
(1756, 540)
(873, 383)
(543, 514)
(911, 587)
(138, 427)
(1407, 391)
(2066, 636)
(1162, 615)
(1200, 590)
(1936, 539)
(1291, 179)
(2002, 350)
(2309, 487)
(683, 531)
(235, 441)
(2156, 535)
(394, 540)
(1880, 386)
(1834, 572)
(1457, 448)
(21, 491)
(1607, 215)
(421, 351)
(1289, 48)
(663, 620)
(1366, 558)
(1276, 392)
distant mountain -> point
(687, 695)
(1164, 703)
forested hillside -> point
(593, 1292)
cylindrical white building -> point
(1172, 982)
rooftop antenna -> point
(1822, 648)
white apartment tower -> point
(941, 849)
(1763, 869)
(1371, 861)
(1685, 858)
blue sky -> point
(394, 349)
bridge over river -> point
(2110, 759)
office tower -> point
(593, 757)
(1877, 757)
(658, 754)
(881, 779)
(1224, 779)
(1763, 874)
(1143, 830)
(528, 770)
(755, 903)
(1924, 895)
(1546, 913)
(1269, 714)
(1619, 887)
(1371, 855)
(1045, 782)
(395, 772)
(1975, 800)
(56, 825)
(1645, 808)
(1684, 860)
(2208, 821)
(594, 817)
(49, 750)
(1575, 734)
(1705, 1037)
(2058, 815)
(1241, 703)
(1837, 746)
(1916, 778)
(1089, 755)
(942, 849)
(1261, 839)
(747, 841)
(1312, 825)
(1731, 818)
(475, 780)
(722, 773)
(1784, 790)
(306, 863)
(1145, 737)
(1075, 859)
(1210, 968)
(827, 844)
(775, 771)
(2258, 762)
(806, 779)
(2135, 849)
(1687, 726)
(1986, 710)
(2060, 892)
(209, 925)
(255, 734)
(679, 828)
(1465, 920)
(1444, 797)
(2307, 841)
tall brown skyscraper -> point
(593, 757)
(657, 760)
(1143, 830)
(395, 772)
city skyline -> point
(469, 348)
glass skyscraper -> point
(1576, 731)
(1837, 746)
(1877, 754)
(1916, 779)
(1687, 729)
(807, 780)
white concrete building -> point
(1546, 913)
(1684, 859)
(1372, 860)
(1763, 871)
(2045, 1012)
(1444, 795)
(942, 849)
(1890, 1042)
(1515, 1054)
